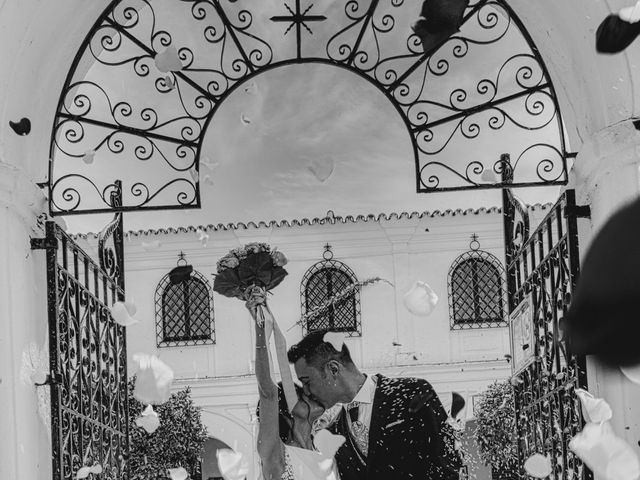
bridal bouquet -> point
(244, 268)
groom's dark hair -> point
(317, 352)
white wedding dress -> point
(303, 464)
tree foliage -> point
(178, 442)
(496, 433)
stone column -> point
(605, 177)
(25, 451)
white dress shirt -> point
(364, 397)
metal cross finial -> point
(181, 258)
(328, 254)
(298, 19)
(475, 244)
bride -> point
(285, 445)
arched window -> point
(324, 281)
(476, 290)
(184, 308)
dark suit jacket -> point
(409, 437)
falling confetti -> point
(630, 14)
(244, 120)
(322, 168)
(203, 237)
(148, 246)
(168, 60)
(170, 82)
(209, 164)
(421, 299)
(123, 312)
(61, 223)
(593, 409)
(251, 88)
(84, 472)
(178, 474)
(335, 339)
(194, 174)
(607, 455)
(22, 127)
(488, 175)
(538, 466)
(208, 180)
(327, 443)
(153, 380)
(148, 420)
(89, 156)
(632, 373)
(231, 465)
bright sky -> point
(300, 140)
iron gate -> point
(544, 266)
(88, 369)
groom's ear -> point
(333, 367)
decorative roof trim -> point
(330, 218)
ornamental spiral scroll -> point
(150, 75)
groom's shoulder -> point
(404, 385)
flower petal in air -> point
(178, 474)
(153, 380)
(594, 410)
(148, 420)
(538, 466)
(421, 299)
(231, 465)
(121, 315)
(336, 339)
(327, 443)
(168, 60)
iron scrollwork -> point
(150, 76)
(548, 413)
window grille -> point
(322, 282)
(476, 290)
(184, 309)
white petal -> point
(178, 474)
(594, 410)
(121, 315)
(89, 156)
(231, 465)
(148, 420)
(131, 307)
(334, 338)
(208, 180)
(327, 443)
(538, 466)
(630, 14)
(610, 457)
(203, 237)
(83, 472)
(153, 379)
(322, 168)
(96, 469)
(151, 245)
(194, 174)
(421, 299)
(168, 61)
(488, 175)
(632, 373)
(245, 120)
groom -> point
(395, 427)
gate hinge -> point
(578, 211)
(44, 243)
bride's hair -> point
(284, 416)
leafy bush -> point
(496, 433)
(178, 442)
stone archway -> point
(150, 76)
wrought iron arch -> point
(476, 290)
(150, 75)
(184, 311)
(322, 283)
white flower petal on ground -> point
(148, 420)
(89, 156)
(148, 246)
(168, 60)
(607, 455)
(178, 473)
(421, 299)
(632, 373)
(153, 379)
(538, 466)
(594, 410)
(327, 443)
(231, 465)
(322, 168)
(336, 339)
(121, 315)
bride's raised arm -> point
(269, 443)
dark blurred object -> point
(603, 316)
(180, 274)
(614, 34)
(439, 19)
(22, 127)
(457, 404)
